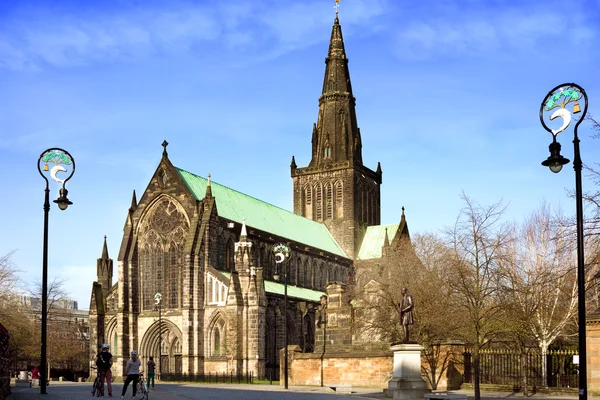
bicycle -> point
(142, 390)
(98, 386)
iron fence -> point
(210, 377)
(503, 367)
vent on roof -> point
(230, 225)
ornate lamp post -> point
(570, 94)
(63, 162)
(157, 302)
(282, 252)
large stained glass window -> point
(162, 235)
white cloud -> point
(35, 38)
(482, 29)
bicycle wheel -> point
(95, 387)
(141, 393)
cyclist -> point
(132, 370)
(104, 363)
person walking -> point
(35, 376)
(104, 363)
(132, 370)
(151, 367)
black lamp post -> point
(282, 252)
(570, 94)
(63, 162)
(157, 301)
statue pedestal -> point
(407, 382)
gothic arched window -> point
(329, 200)
(308, 205)
(229, 252)
(218, 338)
(319, 201)
(308, 279)
(339, 199)
(162, 233)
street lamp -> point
(282, 252)
(63, 162)
(570, 94)
(157, 301)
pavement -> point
(193, 391)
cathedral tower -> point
(336, 188)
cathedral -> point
(198, 287)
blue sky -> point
(448, 93)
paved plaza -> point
(164, 391)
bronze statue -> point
(322, 312)
(406, 313)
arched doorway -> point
(168, 338)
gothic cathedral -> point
(206, 250)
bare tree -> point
(540, 270)
(8, 289)
(60, 328)
(478, 239)
(420, 266)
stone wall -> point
(360, 369)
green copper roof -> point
(293, 291)
(234, 205)
(374, 239)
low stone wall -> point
(361, 369)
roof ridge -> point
(273, 208)
(212, 182)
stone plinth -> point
(406, 382)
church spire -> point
(104, 250)
(336, 136)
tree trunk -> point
(524, 368)
(544, 348)
(476, 373)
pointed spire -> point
(293, 164)
(386, 240)
(379, 170)
(403, 228)
(164, 145)
(208, 189)
(243, 234)
(133, 202)
(105, 250)
(336, 133)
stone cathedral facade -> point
(207, 249)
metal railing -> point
(210, 377)
(505, 367)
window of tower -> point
(329, 200)
(339, 200)
(319, 201)
(327, 149)
(308, 207)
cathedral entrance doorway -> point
(167, 338)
